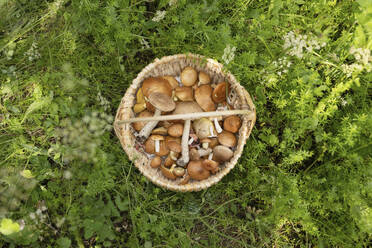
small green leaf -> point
(64, 242)
(27, 174)
(8, 227)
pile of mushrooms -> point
(185, 148)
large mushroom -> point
(222, 153)
(219, 93)
(203, 128)
(161, 102)
(203, 96)
(175, 130)
(186, 108)
(196, 170)
(155, 84)
(184, 94)
(189, 76)
(232, 123)
(227, 139)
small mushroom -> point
(168, 173)
(150, 145)
(203, 97)
(168, 162)
(203, 128)
(205, 142)
(161, 102)
(160, 131)
(213, 143)
(204, 78)
(172, 81)
(170, 138)
(139, 96)
(175, 130)
(179, 171)
(175, 148)
(222, 153)
(185, 179)
(197, 154)
(186, 108)
(232, 123)
(184, 94)
(155, 162)
(189, 76)
(139, 107)
(227, 139)
(210, 165)
(139, 125)
(219, 93)
(197, 171)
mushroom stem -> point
(146, 130)
(210, 156)
(185, 149)
(204, 152)
(157, 145)
(191, 140)
(173, 155)
(217, 125)
(205, 145)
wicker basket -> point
(173, 65)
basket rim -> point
(125, 110)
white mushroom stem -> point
(146, 130)
(191, 140)
(210, 156)
(173, 155)
(157, 145)
(185, 149)
(204, 152)
(217, 125)
(211, 131)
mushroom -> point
(170, 138)
(168, 173)
(185, 179)
(175, 130)
(139, 125)
(219, 93)
(184, 108)
(156, 84)
(161, 102)
(203, 97)
(156, 145)
(160, 131)
(205, 142)
(172, 81)
(222, 153)
(227, 139)
(232, 123)
(216, 124)
(197, 171)
(184, 94)
(189, 76)
(213, 143)
(175, 148)
(139, 96)
(139, 107)
(155, 162)
(197, 154)
(210, 165)
(203, 128)
(204, 78)
(179, 171)
(168, 162)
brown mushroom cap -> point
(213, 143)
(139, 125)
(194, 154)
(175, 130)
(168, 162)
(150, 146)
(172, 81)
(189, 76)
(197, 171)
(222, 153)
(161, 101)
(174, 146)
(227, 139)
(157, 137)
(204, 78)
(232, 123)
(186, 108)
(155, 162)
(185, 179)
(206, 140)
(184, 94)
(179, 171)
(156, 84)
(210, 165)
(219, 93)
(167, 173)
(203, 97)
(160, 131)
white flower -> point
(297, 44)
(343, 101)
(228, 54)
(172, 2)
(144, 43)
(33, 53)
(67, 174)
(159, 15)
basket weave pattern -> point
(173, 65)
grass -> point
(303, 180)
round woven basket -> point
(173, 65)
